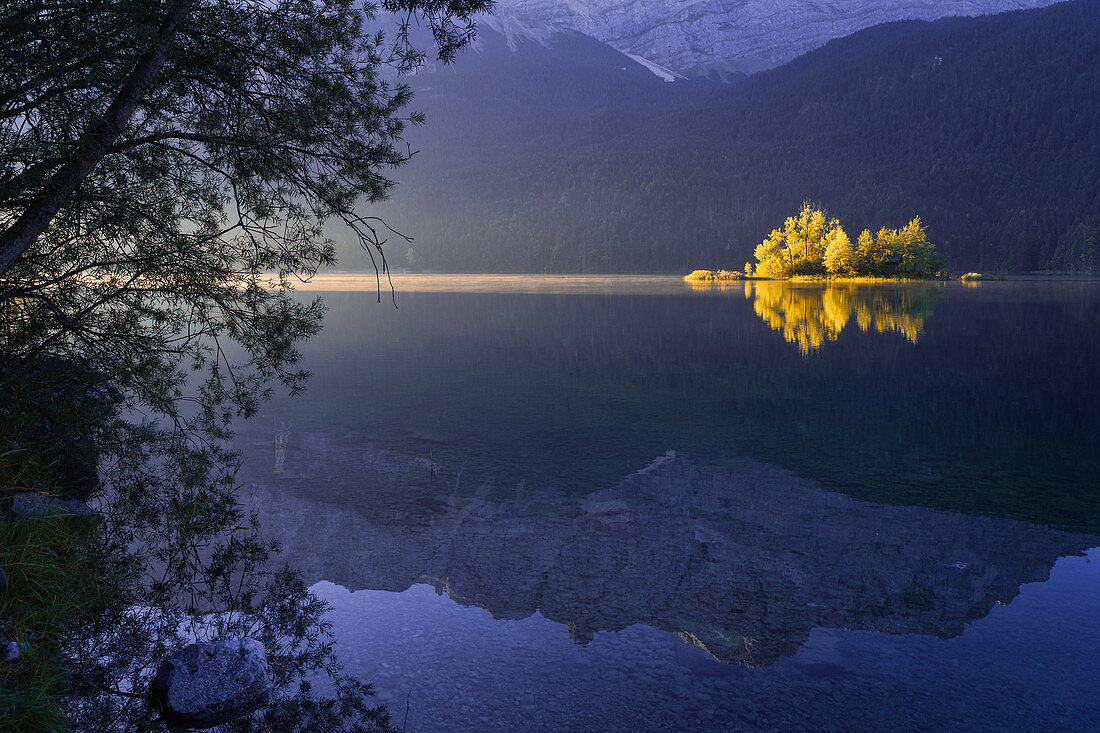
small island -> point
(810, 245)
(717, 275)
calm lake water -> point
(596, 504)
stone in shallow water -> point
(31, 504)
(210, 683)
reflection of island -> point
(743, 560)
(809, 314)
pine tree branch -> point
(97, 142)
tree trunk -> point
(97, 140)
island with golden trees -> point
(811, 245)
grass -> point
(714, 275)
(50, 582)
(972, 277)
(48, 587)
(53, 579)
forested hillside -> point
(569, 157)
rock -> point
(33, 504)
(209, 683)
(9, 650)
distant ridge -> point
(567, 156)
(724, 36)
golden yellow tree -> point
(810, 243)
(913, 247)
(771, 256)
(874, 252)
(840, 255)
(799, 247)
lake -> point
(624, 503)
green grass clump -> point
(50, 584)
(714, 275)
(53, 576)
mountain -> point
(722, 36)
(562, 154)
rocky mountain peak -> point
(699, 37)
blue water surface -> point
(594, 504)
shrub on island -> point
(713, 275)
(810, 244)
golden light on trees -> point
(812, 244)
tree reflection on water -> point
(811, 314)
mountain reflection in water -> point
(743, 560)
